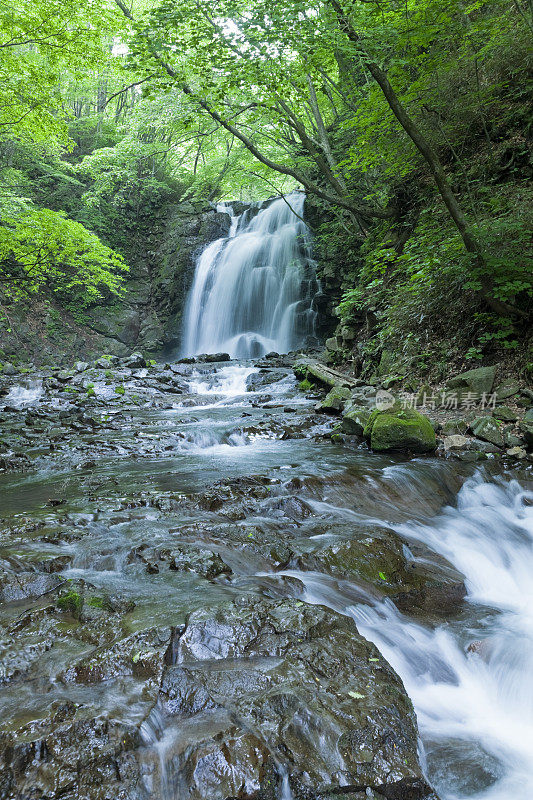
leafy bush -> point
(42, 248)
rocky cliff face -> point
(148, 317)
(162, 254)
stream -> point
(180, 514)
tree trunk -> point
(470, 242)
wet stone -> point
(312, 686)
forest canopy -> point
(407, 124)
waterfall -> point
(253, 290)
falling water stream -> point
(253, 291)
(468, 674)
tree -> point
(40, 40)
(291, 73)
(41, 248)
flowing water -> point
(469, 675)
(475, 709)
(194, 487)
(253, 291)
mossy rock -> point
(335, 401)
(505, 414)
(71, 602)
(354, 420)
(400, 429)
(488, 429)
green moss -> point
(305, 385)
(354, 420)
(72, 602)
(119, 390)
(97, 602)
(400, 429)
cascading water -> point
(253, 291)
(474, 704)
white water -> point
(23, 396)
(227, 381)
(474, 709)
(253, 291)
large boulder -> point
(400, 428)
(289, 689)
(354, 420)
(477, 381)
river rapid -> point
(202, 594)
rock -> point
(81, 366)
(524, 401)
(400, 429)
(264, 378)
(516, 452)
(272, 354)
(135, 361)
(211, 358)
(335, 401)
(9, 369)
(528, 416)
(471, 456)
(104, 362)
(511, 440)
(364, 396)
(478, 381)
(299, 675)
(482, 446)
(292, 507)
(507, 389)
(483, 648)
(505, 414)
(354, 420)
(21, 585)
(201, 561)
(332, 344)
(526, 428)
(454, 427)
(456, 442)
(488, 429)
(415, 582)
(348, 333)
(64, 375)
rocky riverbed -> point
(190, 563)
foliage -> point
(111, 111)
(39, 248)
(40, 40)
